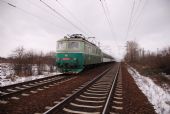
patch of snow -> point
(6, 70)
(159, 97)
(6, 82)
(7, 76)
(35, 70)
(165, 75)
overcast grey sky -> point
(34, 26)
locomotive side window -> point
(73, 45)
(86, 48)
(61, 45)
(93, 49)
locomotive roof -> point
(76, 39)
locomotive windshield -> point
(68, 45)
(61, 45)
(73, 45)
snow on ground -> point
(5, 82)
(159, 97)
(7, 76)
(167, 76)
(6, 70)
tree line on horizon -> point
(159, 60)
(24, 60)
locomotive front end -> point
(69, 58)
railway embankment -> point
(157, 75)
(135, 102)
(153, 87)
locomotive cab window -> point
(73, 45)
(61, 45)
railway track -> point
(98, 96)
(39, 84)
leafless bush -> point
(24, 60)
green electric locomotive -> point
(74, 53)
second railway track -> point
(16, 89)
(93, 97)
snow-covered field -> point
(7, 76)
(159, 97)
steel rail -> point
(106, 107)
(31, 87)
(27, 82)
(60, 105)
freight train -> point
(75, 52)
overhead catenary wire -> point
(139, 15)
(136, 11)
(72, 14)
(130, 21)
(107, 18)
(107, 10)
(62, 16)
(108, 13)
(38, 6)
(44, 10)
(28, 13)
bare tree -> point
(29, 58)
(18, 55)
(50, 60)
(25, 61)
(132, 51)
